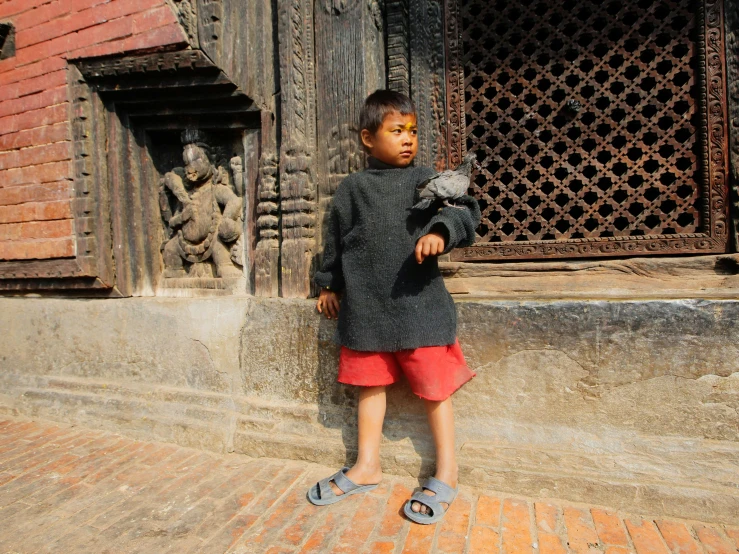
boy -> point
(380, 278)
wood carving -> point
(202, 213)
(732, 58)
(622, 150)
(427, 81)
(187, 15)
(398, 49)
(297, 182)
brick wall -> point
(35, 148)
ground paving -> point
(66, 489)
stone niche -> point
(167, 150)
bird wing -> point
(452, 185)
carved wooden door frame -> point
(713, 182)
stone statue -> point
(202, 211)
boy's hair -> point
(379, 104)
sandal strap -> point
(443, 492)
(343, 482)
(324, 488)
(429, 501)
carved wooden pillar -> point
(427, 80)
(732, 62)
(350, 64)
(298, 145)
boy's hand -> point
(328, 300)
(429, 245)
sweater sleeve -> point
(330, 273)
(460, 223)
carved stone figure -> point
(202, 211)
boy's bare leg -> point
(441, 421)
(367, 470)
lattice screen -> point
(587, 119)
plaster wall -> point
(631, 404)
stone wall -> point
(625, 403)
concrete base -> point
(632, 404)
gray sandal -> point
(443, 493)
(322, 494)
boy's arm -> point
(458, 225)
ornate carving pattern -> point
(398, 54)
(297, 183)
(188, 17)
(732, 55)
(585, 121)
(427, 80)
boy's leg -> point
(371, 415)
(441, 421)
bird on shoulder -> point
(447, 185)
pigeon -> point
(447, 185)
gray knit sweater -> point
(390, 302)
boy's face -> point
(396, 141)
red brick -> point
(546, 516)
(44, 173)
(712, 540)
(392, 521)
(581, 534)
(452, 537)
(47, 153)
(734, 534)
(36, 211)
(48, 192)
(516, 529)
(37, 249)
(33, 118)
(678, 537)
(51, 13)
(382, 548)
(36, 230)
(419, 539)
(33, 85)
(484, 540)
(35, 137)
(87, 14)
(362, 524)
(10, 74)
(15, 7)
(34, 102)
(618, 550)
(609, 527)
(169, 35)
(320, 538)
(488, 511)
(547, 523)
(645, 537)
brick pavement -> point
(71, 490)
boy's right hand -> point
(328, 300)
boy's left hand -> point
(429, 245)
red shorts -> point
(433, 372)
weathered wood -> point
(349, 36)
(251, 200)
(427, 80)
(636, 278)
(297, 148)
(397, 39)
(731, 11)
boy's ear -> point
(367, 138)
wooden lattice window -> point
(600, 125)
